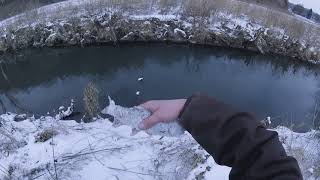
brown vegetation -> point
(91, 100)
(295, 27)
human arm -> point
(235, 139)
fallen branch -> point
(38, 176)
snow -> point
(132, 117)
(159, 16)
(117, 150)
(304, 147)
(269, 120)
(310, 4)
(62, 114)
(179, 31)
(99, 149)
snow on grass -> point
(305, 148)
(132, 117)
(117, 150)
(311, 4)
(242, 13)
(98, 149)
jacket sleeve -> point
(237, 140)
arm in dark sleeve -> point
(237, 140)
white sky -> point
(314, 4)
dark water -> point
(42, 80)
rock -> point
(75, 39)
(20, 117)
(107, 116)
(54, 39)
(180, 33)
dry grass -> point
(45, 135)
(294, 26)
(91, 100)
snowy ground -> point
(311, 4)
(105, 150)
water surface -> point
(41, 80)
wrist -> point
(185, 104)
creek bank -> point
(114, 28)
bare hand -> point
(162, 111)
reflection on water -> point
(41, 80)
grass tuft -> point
(91, 100)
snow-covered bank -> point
(48, 147)
(86, 22)
(310, 4)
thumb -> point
(149, 122)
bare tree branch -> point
(4, 74)
(3, 106)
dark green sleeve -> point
(238, 140)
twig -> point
(51, 175)
(11, 98)
(82, 154)
(315, 114)
(126, 170)
(3, 106)
(38, 176)
(6, 134)
(94, 155)
(16, 103)
(2, 169)
(7, 172)
(4, 74)
(134, 172)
